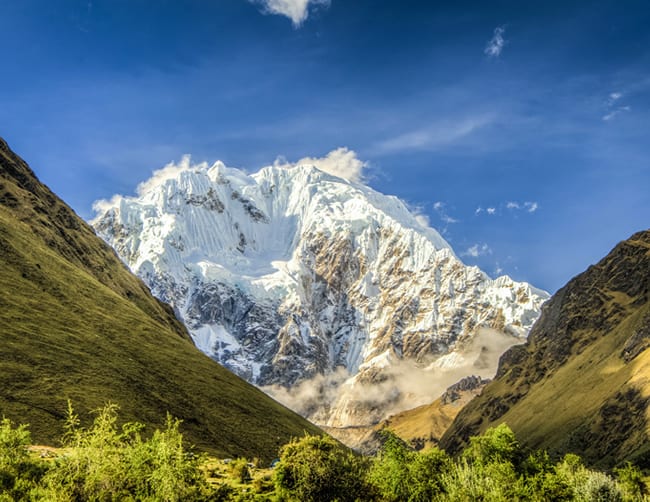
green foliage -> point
(13, 444)
(18, 475)
(240, 470)
(498, 444)
(105, 462)
(317, 468)
(401, 474)
(631, 481)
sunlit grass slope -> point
(76, 324)
(582, 381)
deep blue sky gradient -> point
(96, 94)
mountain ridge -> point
(581, 382)
(76, 324)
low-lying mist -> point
(339, 399)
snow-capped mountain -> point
(326, 293)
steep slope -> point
(327, 294)
(76, 324)
(581, 383)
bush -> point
(497, 445)
(631, 480)
(19, 475)
(240, 470)
(107, 463)
(317, 468)
(401, 474)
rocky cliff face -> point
(581, 382)
(292, 275)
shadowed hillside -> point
(581, 383)
(76, 324)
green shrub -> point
(317, 468)
(19, 475)
(401, 474)
(631, 482)
(497, 445)
(105, 462)
(240, 471)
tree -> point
(401, 474)
(497, 445)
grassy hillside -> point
(422, 427)
(582, 381)
(76, 324)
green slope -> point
(582, 381)
(76, 324)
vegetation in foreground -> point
(107, 462)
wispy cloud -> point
(512, 205)
(495, 45)
(488, 210)
(612, 107)
(435, 136)
(531, 207)
(477, 250)
(440, 209)
(296, 10)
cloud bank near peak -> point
(341, 162)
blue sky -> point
(521, 130)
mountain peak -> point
(292, 274)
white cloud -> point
(512, 205)
(615, 112)
(439, 207)
(615, 96)
(159, 176)
(102, 205)
(435, 136)
(341, 162)
(612, 108)
(477, 250)
(496, 43)
(296, 10)
(531, 207)
(423, 220)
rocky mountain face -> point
(330, 296)
(581, 383)
(76, 324)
